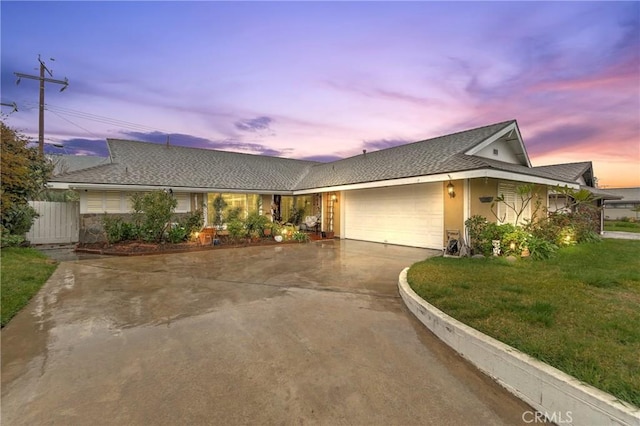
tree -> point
(158, 207)
(24, 174)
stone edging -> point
(563, 399)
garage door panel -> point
(405, 215)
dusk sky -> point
(325, 80)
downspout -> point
(466, 209)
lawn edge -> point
(545, 388)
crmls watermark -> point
(557, 417)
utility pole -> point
(42, 80)
(12, 105)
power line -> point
(103, 119)
(75, 124)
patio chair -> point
(311, 222)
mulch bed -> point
(137, 248)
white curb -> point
(563, 399)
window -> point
(248, 203)
(94, 202)
(104, 202)
(290, 204)
(514, 204)
(183, 202)
(112, 201)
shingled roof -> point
(443, 154)
(149, 164)
(568, 171)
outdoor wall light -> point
(334, 198)
(451, 190)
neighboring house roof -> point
(624, 195)
(149, 164)
(71, 163)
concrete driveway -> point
(294, 334)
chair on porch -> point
(311, 223)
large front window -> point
(247, 203)
(295, 208)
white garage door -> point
(410, 215)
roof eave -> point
(443, 177)
(511, 127)
(125, 187)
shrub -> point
(158, 207)
(237, 229)
(515, 241)
(117, 230)
(476, 225)
(10, 240)
(112, 228)
(493, 231)
(193, 221)
(233, 213)
(301, 237)
(276, 228)
(540, 249)
(18, 218)
(177, 233)
(256, 223)
(219, 204)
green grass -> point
(621, 226)
(22, 272)
(579, 312)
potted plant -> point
(266, 231)
(219, 204)
(296, 217)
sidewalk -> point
(621, 235)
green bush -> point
(219, 205)
(112, 228)
(233, 213)
(158, 207)
(10, 240)
(193, 221)
(540, 249)
(237, 229)
(301, 237)
(256, 223)
(476, 225)
(515, 241)
(177, 233)
(18, 218)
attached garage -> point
(410, 215)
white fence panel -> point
(58, 223)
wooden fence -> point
(58, 223)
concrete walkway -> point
(295, 334)
(621, 235)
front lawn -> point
(579, 312)
(621, 226)
(23, 271)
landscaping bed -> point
(578, 311)
(137, 248)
